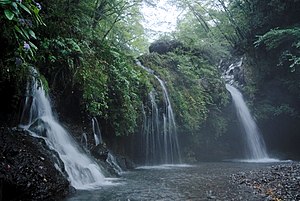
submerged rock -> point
(29, 170)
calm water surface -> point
(205, 181)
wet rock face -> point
(233, 70)
(100, 152)
(28, 170)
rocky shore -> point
(278, 182)
(29, 170)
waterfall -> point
(151, 133)
(159, 132)
(255, 144)
(83, 172)
(96, 131)
(170, 132)
(84, 141)
(111, 160)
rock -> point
(100, 152)
(275, 183)
(40, 127)
(164, 46)
(21, 175)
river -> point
(205, 181)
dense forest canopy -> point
(85, 52)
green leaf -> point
(24, 8)
(3, 2)
(9, 15)
(32, 34)
(14, 4)
(25, 33)
(36, 11)
(39, 20)
(19, 31)
(22, 32)
(32, 45)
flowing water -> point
(84, 141)
(112, 161)
(96, 131)
(83, 172)
(256, 149)
(159, 134)
(205, 181)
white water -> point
(150, 132)
(96, 131)
(171, 145)
(83, 172)
(111, 160)
(256, 149)
(159, 129)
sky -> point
(159, 18)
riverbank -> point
(278, 182)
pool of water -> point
(205, 181)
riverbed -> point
(204, 181)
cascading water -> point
(96, 131)
(159, 129)
(151, 133)
(83, 172)
(84, 141)
(255, 144)
(171, 145)
(111, 160)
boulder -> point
(100, 152)
(165, 46)
(29, 170)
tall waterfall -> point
(96, 131)
(83, 172)
(255, 144)
(159, 129)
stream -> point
(205, 181)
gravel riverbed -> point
(277, 182)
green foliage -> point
(195, 88)
(60, 60)
(82, 49)
(286, 41)
(124, 93)
(267, 110)
(19, 20)
(93, 82)
(211, 40)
